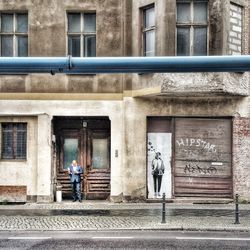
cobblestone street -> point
(107, 216)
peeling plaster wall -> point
(47, 36)
(195, 84)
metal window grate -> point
(14, 140)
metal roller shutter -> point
(202, 164)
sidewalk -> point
(122, 216)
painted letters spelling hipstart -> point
(191, 142)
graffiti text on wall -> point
(196, 169)
(199, 143)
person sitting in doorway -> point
(75, 172)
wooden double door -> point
(86, 140)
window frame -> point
(100, 134)
(14, 33)
(14, 141)
(144, 29)
(192, 25)
(82, 33)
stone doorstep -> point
(193, 201)
(203, 200)
(153, 202)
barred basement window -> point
(14, 34)
(14, 140)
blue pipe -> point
(87, 65)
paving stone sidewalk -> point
(123, 216)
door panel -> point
(98, 171)
(68, 144)
(159, 140)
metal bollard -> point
(237, 209)
(163, 208)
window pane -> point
(183, 13)
(70, 151)
(74, 46)
(74, 22)
(200, 41)
(100, 155)
(7, 146)
(21, 141)
(89, 22)
(90, 46)
(22, 23)
(7, 23)
(7, 46)
(149, 43)
(183, 41)
(22, 45)
(149, 17)
(200, 12)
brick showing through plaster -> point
(241, 163)
(13, 193)
(235, 33)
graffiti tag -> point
(196, 169)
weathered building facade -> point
(121, 127)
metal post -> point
(163, 209)
(237, 209)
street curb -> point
(134, 229)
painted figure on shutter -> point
(159, 165)
(157, 172)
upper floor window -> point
(148, 31)
(82, 34)
(192, 27)
(14, 140)
(14, 34)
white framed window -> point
(82, 34)
(148, 30)
(14, 34)
(192, 27)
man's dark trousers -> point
(76, 190)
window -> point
(100, 150)
(14, 140)
(148, 31)
(14, 34)
(82, 34)
(192, 28)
